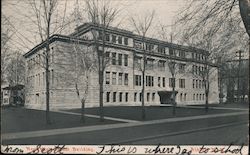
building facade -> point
(122, 75)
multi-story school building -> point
(122, 76)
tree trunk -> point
(101, 74)
(173, 95)
(143, 82)
(48, 121)
(143, 91)
(83, 110)
(207, 93)
(47, 83)
(101, 96)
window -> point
(171, 52)
(197, 97)
(153, 96)
(161, 65)
(107, 77)
(39, 80)
(203, 96)
(126, 78)
(126, 41)
(193, 96)
(114, 78)
(182, 54)
(108, 97)
(52, 77)
(138, 45)
(107, 37)
(113, 58)
(159, 81)
(100, 35)
(163, 82)
(199, 83)
(120, 59)
(196, 70)
(138, 62)
(150, 81)
(181, 97)
(196, 84)
(193, 83)
(114, 96)
(148, 94)
(126, 97)
(182, 83)
(43, 79)
(200, 96)
(107, 55)
(161, 49)
(182, 67)
(120, 79)
(185, 96)
(171, 82)
(138, 80)
(120, 97)
(149, 63)
(113, 38)
(199, 70)
(135, 97)
(120, 40)
(149, 47)
(125, 60)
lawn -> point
(17, 119)
(152, 112)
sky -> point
(25, 33)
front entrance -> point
(165, 96)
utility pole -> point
(238, 86)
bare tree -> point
(45, 17)
(6, 35)
(77, 71)
(172, 62)
(102, 15)
(15, 69)
(142, 26)
(214, 26)
(214, 14)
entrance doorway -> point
(165, 96)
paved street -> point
(235, 133)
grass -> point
(152, 112)
(17, 119)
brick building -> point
(122, 76)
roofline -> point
(53, 38)
(87, 26)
